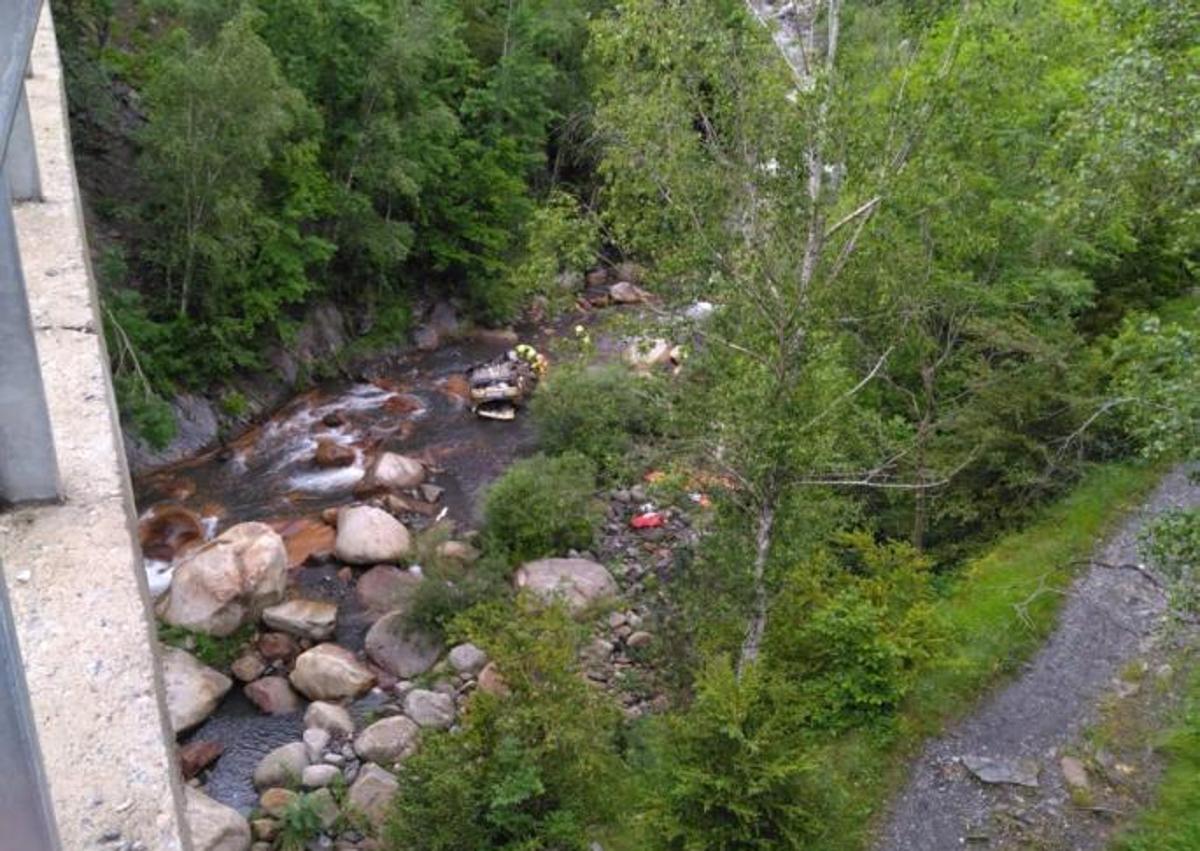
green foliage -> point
(735, 775)
(1172, 544)
(533, 770)
(1170, 823)
(1156, 382)
(601, 412)
(541, 506)
(560, 238)
(214, 651)
(301, 823)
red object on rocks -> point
(649, 520)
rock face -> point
(397, 471)
(273, 696)
(329, 717)
(282, 766)
(193, 689)
(330, 672)
(227, 582)
(313, 619)
(369, 535)
(1019, 772)
(214, 827)
(577, 582)
(393, 646)
(388, 741)
(467, 659)
(430, 708)
(372, 793)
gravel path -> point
(1110, 619)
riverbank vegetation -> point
(946, 252)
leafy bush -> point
(601, 412)
(541, 506)
(536, 769)
(1172, 543)
(300, 825)
(848, 643)
(734, 774)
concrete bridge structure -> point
(87, 757)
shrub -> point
(734, 774)
(601, 412)
(536, 769)
(1172, 544)
(541, 506)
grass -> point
(1172, 822)
(998, 613)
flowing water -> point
(414, 405)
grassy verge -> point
(998, 614)
(1172, 822)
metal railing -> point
(28, 471)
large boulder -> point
(313, 619)
(396, 471)
(388, 741)
(369, 535)
(193, 689)
(214, 827)
(577, 582)
(227, 582)
(282, 766)
(330, 672)
(395, 646)
(330, 717)
(372, 792)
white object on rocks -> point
(577, 582)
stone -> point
(429, 708)
(307, 539)
(401, 651)
(228, 581)
(318, 776)
(329, 717)
(1018, 772)
(577, 582)
(623, 292)
(458, 551)
(467, 659)
(388, 741)
(274, 696)
(314, 619)
(275, 801)
(193, 689)
(639, 639)
(248, 667)
(265, 829)
(491, 681)
(214, 826)
(385, 588)
(372, 792)
(646, 353)
(396, 471)
(330, 672)
(700, 311)
(316, 741)
(282, 766)
(198, 755)
(278, 647)
(1074, 773)
(369, 535)
(431, 493)
(166, 530)
(330, 454)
